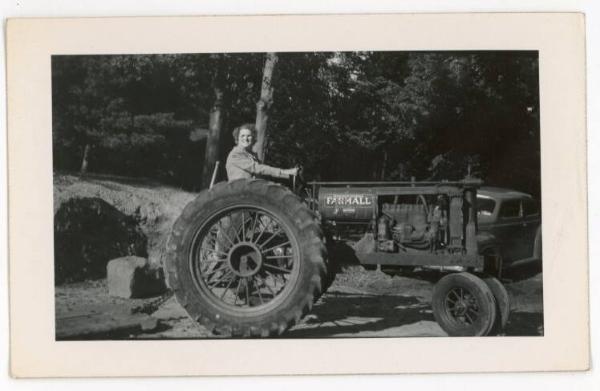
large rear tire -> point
(246, 258)
(463, 305)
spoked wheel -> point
(464, 305)
(246, 258)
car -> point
(509, 226)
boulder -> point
(133, 277)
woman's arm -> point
(239, 160)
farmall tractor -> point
(249, 258)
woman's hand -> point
(290, 171)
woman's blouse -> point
(244, 164)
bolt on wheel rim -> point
(462, 307)
(245, 259)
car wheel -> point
(502, 303)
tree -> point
(302, 123)
(473, 109)
(342, 115)
(115, 104)
(264, 104)
(215, 122)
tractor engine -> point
(415, 226)
(395, 222)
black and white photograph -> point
(297, 195)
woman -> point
(243, 163)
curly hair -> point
(249, 126)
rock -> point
(132, 277)
(149, 324)
(121, 273)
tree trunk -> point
(215, 125)
(383, 166)
(264, 104)
(84, 160)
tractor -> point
(249, 258)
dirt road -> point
(390, 307)
(358, 304)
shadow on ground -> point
(352, 315)
(522, 324)
(340, 314)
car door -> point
(531, 223)
(509, 230)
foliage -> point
(343, 116)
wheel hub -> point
(461, 304)
(245, 259)
(461, 307)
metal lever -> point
(214, 175)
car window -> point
(510, 209)
(485, 206)
(530, 208)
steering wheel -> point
(301, 188)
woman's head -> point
(244, 135)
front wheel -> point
(463, 305)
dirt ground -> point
(359, 304)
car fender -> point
(487, 241)
(488, 244)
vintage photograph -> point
(297, 195)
